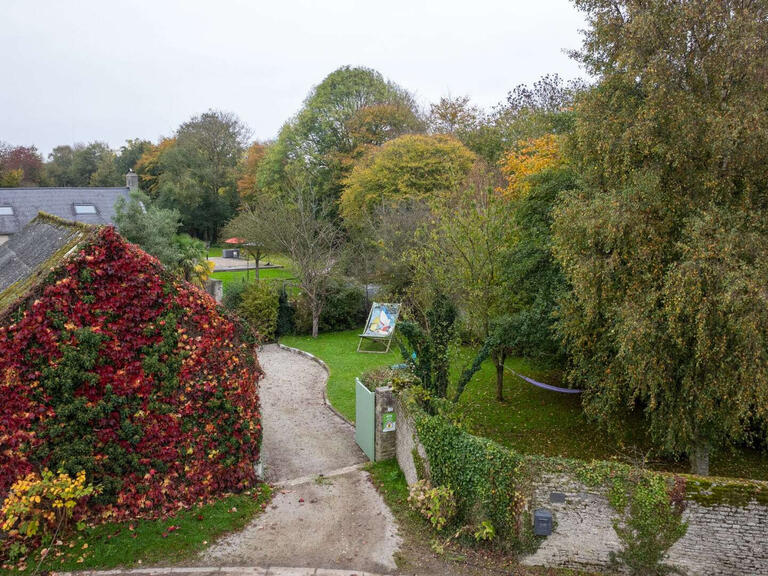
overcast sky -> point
(83, 70)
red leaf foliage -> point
(114, 366)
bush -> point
(259, 307)
(233, 295)
(344, 308)
(438, 505)
(39, 505)
(114, 366)
(286, 312)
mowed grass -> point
(338, 351)
(530, 420)
(250, 275)
(164, 541)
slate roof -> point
(29, 255)
(27, 202)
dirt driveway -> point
(326, 513)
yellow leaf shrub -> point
(39, 504)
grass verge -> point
(165, 541)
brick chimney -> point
(132, 180)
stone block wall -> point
(385, 439)
(407, 442)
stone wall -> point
(407, 442)
(385, 437)
(725, 536)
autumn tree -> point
(454, 115)
(665, 244)
(21, 165)
(320, 139)
(149, 166)
(247, 182)
(407, 169)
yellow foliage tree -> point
(531, 157)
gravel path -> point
(325, 512)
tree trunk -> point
(700, 458)
(315, 321)
(499, 359)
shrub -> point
(286, 312)
(114, 366)
(259, 307)
(344, 308)
(438, 504)
(233, 295)
(40, 504)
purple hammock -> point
(546, 386)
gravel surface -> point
(325, 512)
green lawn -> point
(530, 420)
(164, 541)
(242, 275)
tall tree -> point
(199, 172)
(323, 134)
(75, 165)
(460, 254)
(665, 245)
(247, 182)
(404, 170)
(129, 155)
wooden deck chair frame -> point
(366, 335)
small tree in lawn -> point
(462, 255)
(298, 225)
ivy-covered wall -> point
(607, 516)
(113, 366)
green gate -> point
(365, 418)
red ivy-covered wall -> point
(114, 366)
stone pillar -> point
(215, 288)
(385, 434)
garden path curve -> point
(326, 512)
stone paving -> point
(325, 511)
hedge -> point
(484, 476)
(113, 366)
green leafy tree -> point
(349, 108)
(129, 155)
(300, 226)
(533, 276)
(198, 172)
(152, 228)
(665, 243)
(461, 254)
(76, 165)
(107, 173)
